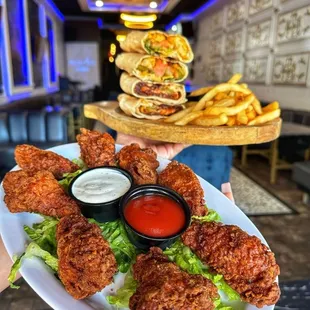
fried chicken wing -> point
(183, 180)
(141, 163)
(97, 149)
(32, 159)
(86, 262)
(246, 264)
(37, 192)
(163, 286)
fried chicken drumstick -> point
(183, 180)
(162, 285)
(37, 192)
(246, 264)
(32, 159)
(86, 262)
(141, 163)
(97, 149)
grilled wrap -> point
(158, 43)
(152, 68)
(146, 108)
(166, 93)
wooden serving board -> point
(109, 113)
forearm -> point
(5, 267)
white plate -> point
(40, 278)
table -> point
(272, 154)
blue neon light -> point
(121, 7)
(191, 16)
(50, 33)
(55, 9)
(100, 23)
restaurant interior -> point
(56, 56)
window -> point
(17, 37)
(37, 43)
(51, 50)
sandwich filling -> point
(158, 90)
(167, 45)
(163, 109)
(160, 70)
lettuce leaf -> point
(80, 163)
(212, 216)
(32, 250)
(121, 299)
(67, 178)
(124, 251)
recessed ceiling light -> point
(174, 28)
(153, 5)
(99, 3)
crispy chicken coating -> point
(141, 163)
(163, 286)
(86, 262)
(97, 149)
(32, 159)
(183, 180)
(37, 192)
(246, 264)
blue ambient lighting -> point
(121, 7)
(100, 23)
(191, 16)
(50, 34)
(55, 9)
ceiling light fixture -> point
(99, 4)
(131, 25)
(120, 37)
(153, 5)
(138, 18)
(174, 28)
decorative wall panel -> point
(259, 34)
(294, 25)
(231, 68)
(256, 6)
(217, 20)
(233, 42)
(291, 69)
(213, 72)
(255, 70)
(215, 47)
(236, 12)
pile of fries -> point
(230, 104)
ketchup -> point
(155, 215)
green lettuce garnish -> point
(124, 251)
(32, 250)
(121, 299)
(212, 216)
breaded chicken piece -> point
(97, 149)
(141, 163)
(86, 262)
(246, 264)
(183, 180)
(37, 192)
(32, 159)
(163, 286)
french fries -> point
(271, 107)
(266, 117)
(188, 118)
(219, 120)
(229, 104)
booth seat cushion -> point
(301, 174)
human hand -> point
(227, 191)
(165, 150)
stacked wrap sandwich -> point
(154, 65)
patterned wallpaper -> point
(266, 40)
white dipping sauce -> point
(100, 185)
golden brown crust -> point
(183, 180)
(141, 163)
(246, 264)
(32, 159)
(37, 192)
(86, 262)
(97, 149)
(162, 285)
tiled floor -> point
(287, 235)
